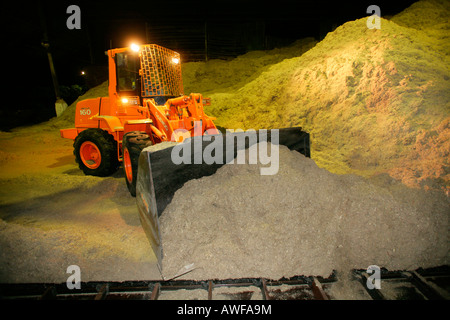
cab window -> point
(127, 72)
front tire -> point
(132, 144)
(95, 152)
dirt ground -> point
(53, 216)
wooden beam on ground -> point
(265, 293)
(317, 290)
(375, 294)
(155, 291)
(210, 288)
(102, 293)
(428, 288)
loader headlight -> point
(134, 47)
(130, 101)
(175, 60)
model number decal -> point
(85, 112)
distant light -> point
(124, 100)
(134, 47)
(83, 73)
(176, 60)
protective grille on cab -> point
(161, 72)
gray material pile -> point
(302, 221)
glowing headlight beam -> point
(134, 47)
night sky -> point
(233, 27)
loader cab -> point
(129, 79)
(146, 72)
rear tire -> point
(132, 144)
(95, 152)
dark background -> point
(229, 28)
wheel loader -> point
(144, 118)
(145, 106)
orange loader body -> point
(146, 103)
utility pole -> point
(45, 43)
(60, 104)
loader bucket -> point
(159, 177)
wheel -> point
(95, 152)
(132, 144)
